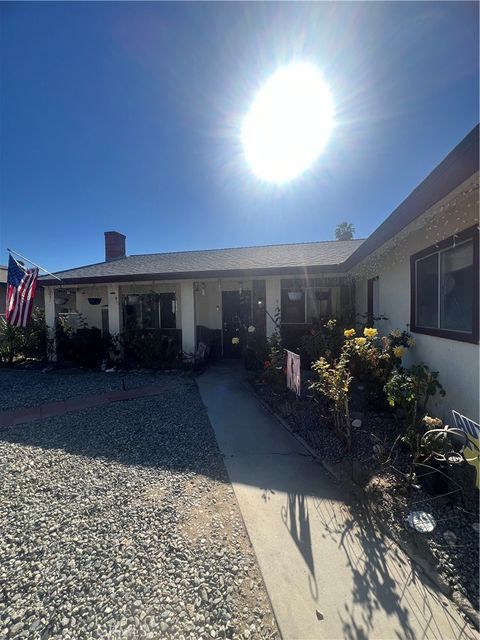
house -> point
(419, 270)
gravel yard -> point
(23, 388)
(120, 522)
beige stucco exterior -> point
(457, 362)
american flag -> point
(21, 285)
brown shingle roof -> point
(213, 262)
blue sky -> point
(126, 116)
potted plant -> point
(439, 448)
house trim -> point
(201, 275)
(460, 165)
(467, 234)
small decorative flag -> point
(21, 285)
(293, 372)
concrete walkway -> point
(328, 572)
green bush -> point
(324, 341)
(149, 349)
(409, 390)
(85, 346)
(334, 384)
(19, 343)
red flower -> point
(266, 364)
(312, 332)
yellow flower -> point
(411, 342)
(235, 340)
(398, 351)
(370, 333)
(348, 333)
(361, 341)
(397, 333)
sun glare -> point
(288, 123)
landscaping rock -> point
(112, 519)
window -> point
(150, 311)
(293, 306)
(445, 288)
(150, 315)
(305, 302)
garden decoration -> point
(293, 372)
(444, 444)
(439, 448)
(471, 449)
(421, 521)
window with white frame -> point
(445, 288)
(303, 304)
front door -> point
(236, 319)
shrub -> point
(334, 384)
(24, 342)
(323, 341)
(256, 350)
(409, 390)
(150, 349)
(85, 347)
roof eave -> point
(199, 275)
(458, 166)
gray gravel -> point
(120, 522)
(20, 388)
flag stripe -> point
(21, 288)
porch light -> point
(202, 290)
(260, 302)
(174, 306)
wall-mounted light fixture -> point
(174, 306)
(218, 307)
(202, 290)
(260, 302)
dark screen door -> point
(236, 319)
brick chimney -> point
(114, 245)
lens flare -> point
(288, 124)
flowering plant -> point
(251, 329)
(334, 384)
(349, 333)
(397, 342)
(235, 340)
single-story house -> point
(419, 269)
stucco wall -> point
(92, 314)
(457, 362)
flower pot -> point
(295, 296)
(94, 301)
(432, 478)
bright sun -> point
(288, 123)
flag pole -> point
(35, 265)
